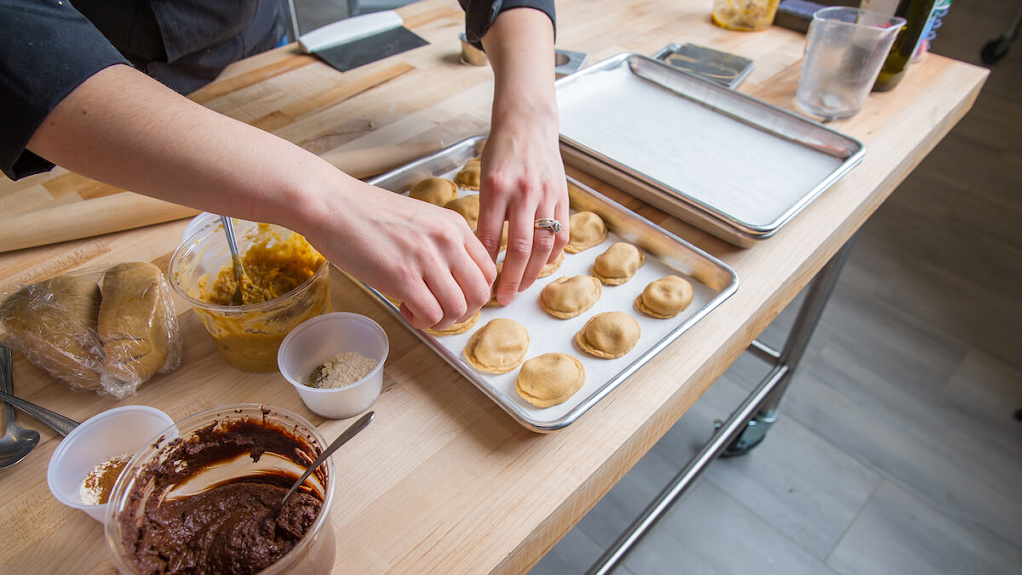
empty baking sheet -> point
(712, 280)
(750, 165)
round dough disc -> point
(456, 328)
(437, 191)
(665, 297)
(552, 266)
(585, 230)
(468, 177)
(618, 264)
(567, 297)
(609, 335)
(550, 379)
(468, 207)
(498, 347)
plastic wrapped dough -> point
(108, 330)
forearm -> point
(520, 48)
(125, 129)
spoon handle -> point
(58, 422)
(7, 381)
(341, 440)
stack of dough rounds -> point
(665, 297)
(567, 297)
(550, 379)
(618, 264)
(552, 266)
(468, 177)
(468, 207)
(437, 191)
(498, 347)
(609, 335)
(586, 230)
(456, 328)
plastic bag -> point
(107, 330)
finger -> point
(420, 308)
(477, 251)
(563, 215)
(490, 225)
(448, 294)
(519, 250)
(474, 284)
(542, 247)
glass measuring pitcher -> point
(845, 49)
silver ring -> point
(548, 224)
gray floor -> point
(896, 451)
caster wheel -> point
(996, 49)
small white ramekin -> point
(317, 340)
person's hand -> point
(419, 254)
(522, 174)
(522, 181)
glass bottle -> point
(918, 14)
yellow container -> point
(744, 15)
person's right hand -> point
(422, 255)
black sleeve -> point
(480, 14)
(49, 49)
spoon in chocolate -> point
(352, 431)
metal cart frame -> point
(749, 423)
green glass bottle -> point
(917, 15)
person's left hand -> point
(522, 181)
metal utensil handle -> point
(58, 422)
(7, 381)
(232, 243)
(341, 440)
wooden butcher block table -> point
(444, 481)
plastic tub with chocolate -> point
(201, 498)
(289, 283)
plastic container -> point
(246, 336)
(319, 339)
(313, 554)
(100, 438)
(845, 50)
(744, 15)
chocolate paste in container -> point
(202, 502)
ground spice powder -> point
(342, 369)
(98, 484)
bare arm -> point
(125, 129)
(523, 176)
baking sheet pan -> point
(731, 164)
(712, 280)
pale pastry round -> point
(609, 334)
(503, 238)
(550, 379)
(456, 328)
(552, 266)
(618, 264)
(585, 230)
(665, 297)
(498, 347)
(437, 191)
(468, 177)
(468, 207)
(567, 297)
